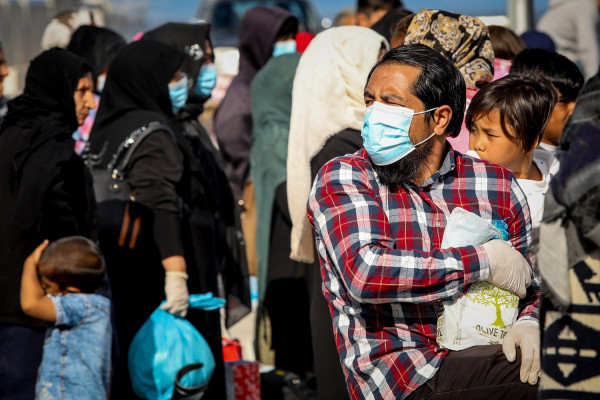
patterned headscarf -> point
(461, 38)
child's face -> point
(561, 112)
(49, 286)
(491, 144)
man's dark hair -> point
(74, 261)
(558, 69)
(505, 42)
(439, 82)
(524, 106)
(370, 6)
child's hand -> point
(34, 301)
(34, 257)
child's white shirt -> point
(535, 191)
(548, 147)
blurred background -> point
(22, 22)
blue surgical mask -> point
(178, 92)
(207, 80)
(385, 132)
(285, 47)
(100, 81)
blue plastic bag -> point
(165, 344)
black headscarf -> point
(136, 93)
(50, 83)
(46, 114)
(191, 39)
(384, 25)
(97, 46)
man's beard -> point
(405, 170)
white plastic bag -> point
(485, 314)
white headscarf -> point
(327, 98)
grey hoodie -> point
(573, 25)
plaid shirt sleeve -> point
(356, 234)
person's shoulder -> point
(358, 160)
(546, 162)
(470, 163)
(69, 307)
(275, 63)
(86, 301)
(98, 301)
(350, 169)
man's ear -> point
(441, 119)
(571, 105)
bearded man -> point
(379, 216)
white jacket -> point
(573, 25)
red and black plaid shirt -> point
(384, 273)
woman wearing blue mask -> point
(214, 227)
(145, 86)
(198, 65)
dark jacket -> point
(569, 256)
(213, 231)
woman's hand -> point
(176, 290)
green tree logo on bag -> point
(486, 294)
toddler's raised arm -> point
(34, 301)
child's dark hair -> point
(558, 69)
(74, 261)
(505, 42)
(523, 104)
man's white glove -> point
(526, 335)
(177, 294)
(508, 268)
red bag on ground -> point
(232, 349)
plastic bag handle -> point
(188, 392)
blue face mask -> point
(285, 47)
(178, 92)
(207, 80)
(385, 132)
(100, 81)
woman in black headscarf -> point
(212, 232)
(194, 40)
(45, 193)
(98, 47)
(144, 85)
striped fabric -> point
(383, 270)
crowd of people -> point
(339, 162)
